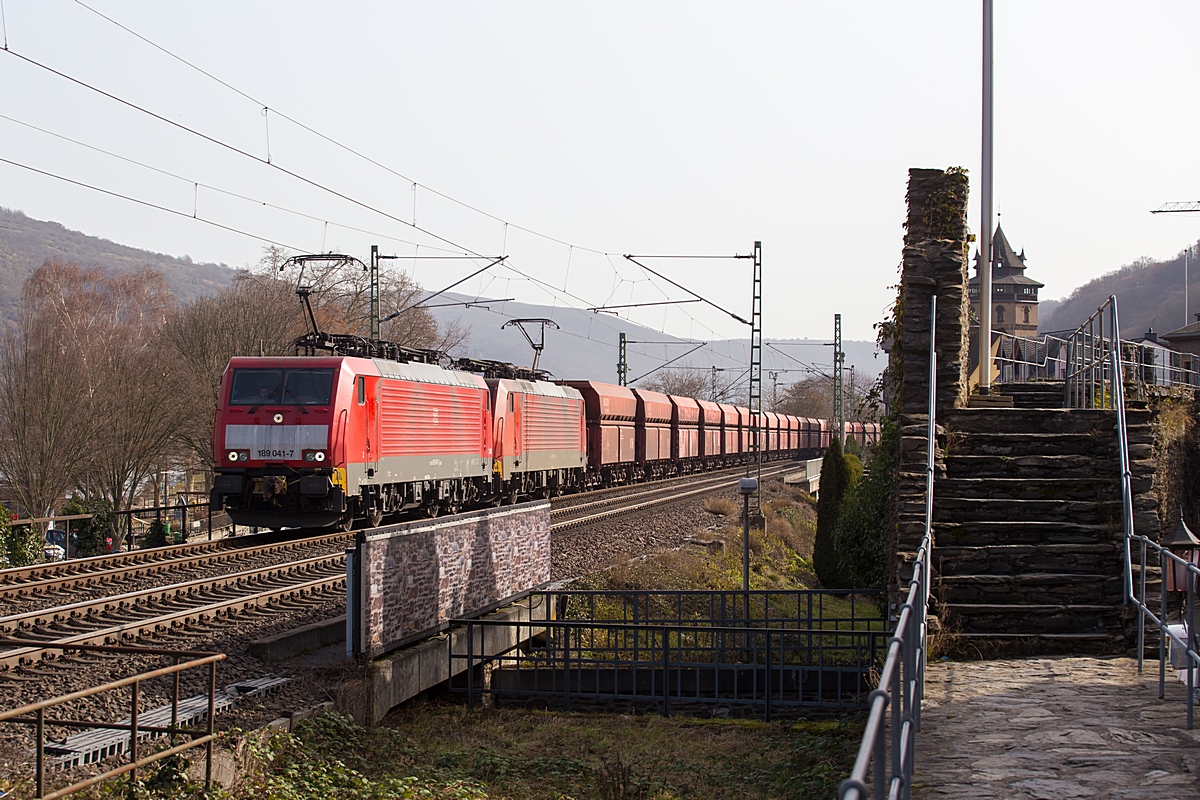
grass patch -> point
(440, 750)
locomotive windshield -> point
(306, 387)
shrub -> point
(836, 479)
(90, 534)
(859, 538)
(721, 506)
(157, 535)
(22, 544)
(855, 465)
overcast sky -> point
(621, 127)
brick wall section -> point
(419, 575)
(935, 262)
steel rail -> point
(53, 584)
(660, 490)
(125, 602)
(670, 495)
(130, 630)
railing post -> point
(666, 681)
(1162, 627)
(212, 713)
(41, 752)
(133, 734)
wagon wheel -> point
(345, 524)
(433, 510)
(374, 517)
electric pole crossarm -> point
(1183, 207)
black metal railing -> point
(886, 754)
(589, 663)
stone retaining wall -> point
(415, 577)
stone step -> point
(1031, 589)
(1054, 444)
(984, 533)
(998, 488)
(1007, 619)
(973, 509)
(1023, 559)
(1031, 466)
(1029, 420)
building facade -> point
(1014, 296)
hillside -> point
(26, 243)
(1149, 294)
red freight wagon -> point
(540, 434)
(730, 441)
(685, 428)
(710, 429)
(811, 437)
(793, 430)
(301, 441)
(772, 426)
(653, 440)
(746, 435)
(610, 412)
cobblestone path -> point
(1064, 727)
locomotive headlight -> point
(239, 455)
(319, 456)
(314, 455)
(233, 455)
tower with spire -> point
(1014, 296)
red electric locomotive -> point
(317, 441)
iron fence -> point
(36, 715)
(589, 663)
(901, 685)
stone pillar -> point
(935, 262)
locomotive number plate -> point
(276, 453)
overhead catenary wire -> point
(235, 149)
(218, 189)
(330, 139)
(148, 204)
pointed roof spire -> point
(1003, 255)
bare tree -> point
(690, 381)
(258, 315)
(42, 384)
(813, 397)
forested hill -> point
(1149, 294)
(26, 243)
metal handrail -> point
(902, 679)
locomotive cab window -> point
(512, 403)
(362, 391)
(253, 387)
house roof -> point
(1017, 279)
(1186, 332)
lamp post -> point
(747, 487)
(1184, 544)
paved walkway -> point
(1064, 727)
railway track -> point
(113, 572)
(591, 512)
(179, 608)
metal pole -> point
(985, 228)
(374, 292)
(1185, 284)
(622, 363)
(746, 551)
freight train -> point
(320, 441)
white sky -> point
(624, 127)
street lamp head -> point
(1184, 544)
(750, 486)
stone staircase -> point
(1027, 521)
